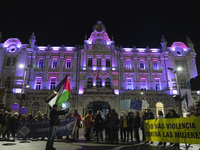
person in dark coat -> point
(108, 128)
(98, 125)
(149, 116)
(137, 126)
(130, 124)
(114, 122)
(143, 118)
(168, 113)
(14, 125)
(1, 121)
(54, 122)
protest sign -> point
(42, 128)
(136, 104)
(175, 130)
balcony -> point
(95, 90)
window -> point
(14, 61)
(99, 83)
(8, 82)
(34, 108)
(89, 83)
(8, 62)
(68, 64)
(183, 84)
(53, 83)
(108, 62)
(108, 83)
(129, 84)
(128, 64)
(157, 84)
(98, 62)
(180, 63)
(89, 62)
(155, 65)
(159, 107)
(143, 84)
(142, 64)
(40, 64)
(38, 83)
(54, 63)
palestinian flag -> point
(60, 94)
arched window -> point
(8, 62)
(159, 107)
(8, 82)
(34, 108)
(108, 83)
(99, 83)
(89, 83)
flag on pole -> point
(186, 99)
(97, 78)
(60, 94)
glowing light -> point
(55, 92)
(42, 48)
(103, 68)
(84, 68)
(103, 84)
(116, 91)
(55, 48)
(175, 92)
(69, 48)
(80, 92)
(94, 83)
(198, 92)
(141, 49)
(17, 90)
(179, 68)
(127, 49)
(142, 93)
(21, 66)
(27, 86)
(154, 50)
(94, 68)
(12, 41)
(113, 68)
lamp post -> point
(178, 96)
(22, 95)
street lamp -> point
(177, 97)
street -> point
(83, 145)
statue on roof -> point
(163, 43)
(99, 27)
(189, 43)
(32, 40)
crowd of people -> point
(97, 126)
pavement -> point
(81, 144)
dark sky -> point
(137, 23)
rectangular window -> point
(99, 62)
(53, 83)
(143, 84)
(54, 63)
(142, 64)
(107, 62)
(41, 63)
(89, 62)
(157, 84)
(38, 83)
(68, 64)
(128, 64)
(155, 65)
(129, 84)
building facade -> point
(101, 74)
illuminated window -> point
(54, 63)
(98, 62)
(159, 107)
(142, 66)
(53, 83)
(38, 83)
(157, 84)
(155, 65)
(108, 83)
(89, 83)
(128, 64)
(108, 62)
(129, 84)
(89, 62)
(143, 84)
(68, 64)
(41, 63)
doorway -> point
(99, 105)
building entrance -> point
(95, 106)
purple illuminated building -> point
(139, 73)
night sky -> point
(137, 23)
